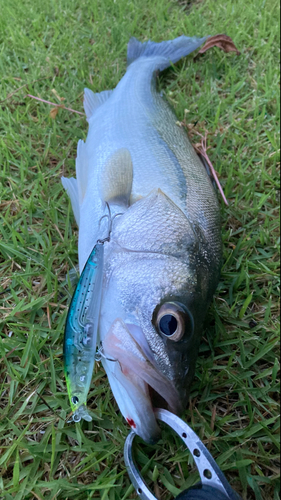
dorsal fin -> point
(117, 177)
(93, 101)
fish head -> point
(152, 310)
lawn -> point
(52, 50)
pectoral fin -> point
(117, 177)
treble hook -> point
(100, 354)
(110, 222)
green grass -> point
(66, 45)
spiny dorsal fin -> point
(117, 177)
(93, 101)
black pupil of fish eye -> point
(168, 324)
(75, 400)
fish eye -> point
(168, 325)
(173, 320)
(75, 400)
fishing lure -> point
(80, 336)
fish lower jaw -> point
(147, 389)
(143, 421)
(157, 390)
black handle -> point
(204, 492)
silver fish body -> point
(162, 263)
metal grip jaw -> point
(213, 486)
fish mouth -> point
(157, 400)
(137, 384)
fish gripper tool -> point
(213, 485)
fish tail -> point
(171, 50)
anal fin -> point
(76, 188)
(81, 170)
(71, 187)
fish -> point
(162, 257)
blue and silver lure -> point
(80, 336)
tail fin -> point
(171, 50)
